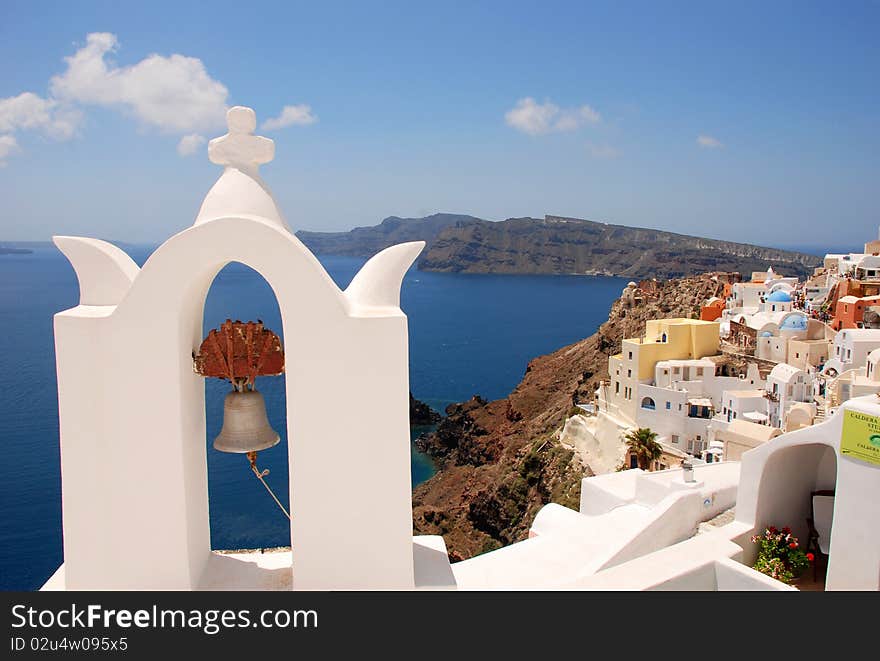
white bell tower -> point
(132, 410)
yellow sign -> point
(861, 437)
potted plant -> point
(780, 555)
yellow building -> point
(665, 339)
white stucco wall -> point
(132, 410)
(775, 487)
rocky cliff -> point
(367, 241)
(558, 245)
(500, 462)
(420, 414)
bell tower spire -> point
(240, 191)
(240, 148)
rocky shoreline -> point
(420, 414)
(499, 462)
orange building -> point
(712, 309)
(851, 287)
(850, 311)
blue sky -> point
(750, 122)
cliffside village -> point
(767, 360)
(767, 355)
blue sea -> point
(469, 334)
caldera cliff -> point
(499, 462)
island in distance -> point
(557, 245)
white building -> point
(851, 349)
(778, 300)
(683, 398)
(858, 381)
(868, 268)
(740, 436)
(787, 385)
(740, 404)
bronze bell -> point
(246, 426)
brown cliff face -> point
(499, 462)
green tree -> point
(642, 442)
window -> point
(617, 387)
(679, 407)
(691, 447)
(665, 372)
(630, 355)
(676, 370)
(668, 405)
(675, 439)
(629, 374)
(699, 371)
(648, 403)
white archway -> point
(242, 514)
(132, 414)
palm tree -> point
(642, 442)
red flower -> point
(772, 529)
(793, 545)
(810, 557)
(786, 530)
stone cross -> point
(239, 148)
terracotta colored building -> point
(712, 309)
(850, 311)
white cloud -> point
(602, 151)
(8, 146)
(708, 142)
(29, 111)
(173, 93)
(534, 118)
(189, 144)
(300, 115)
